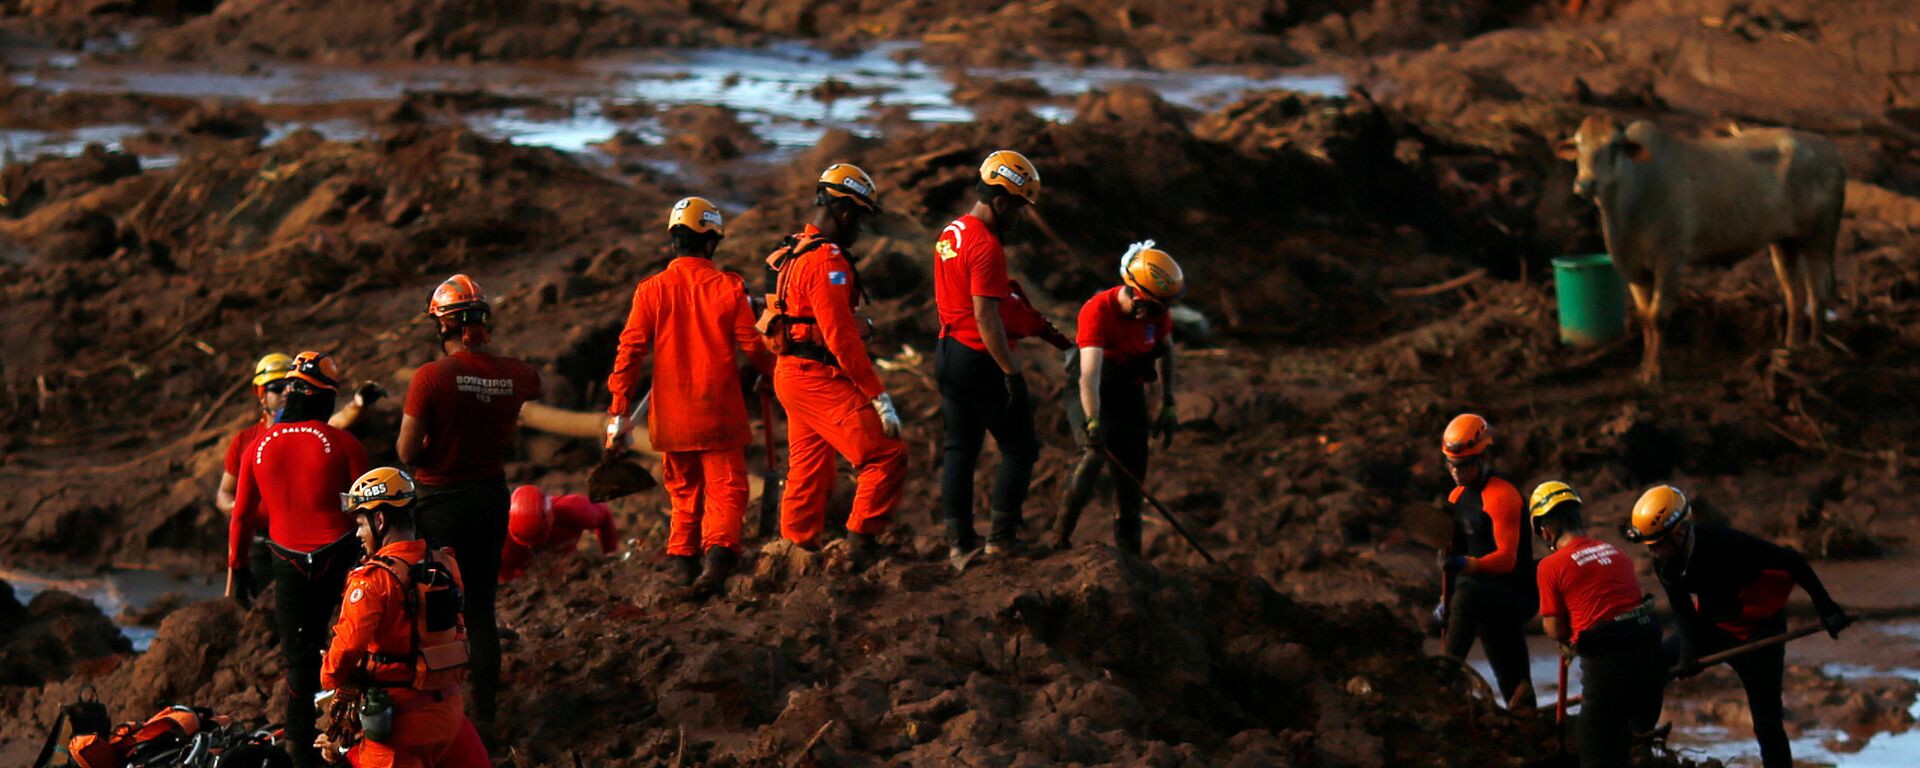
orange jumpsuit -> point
(829, 406)
(374, 620)
(691, 317)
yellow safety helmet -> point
(1013, 172)
(272, 367)
(381, 486)
(1659, 511)
(1152, 274)
(1549, 495)
(848, 181)
(699, 215)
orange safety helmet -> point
(529, 516)
(316, 369)
(848, 181)
(1659, 511)
(457, 294)
(379, 487)
(1152, 273)
(697, 214)
(1013, 172)
(1468, 434)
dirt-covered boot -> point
(686, 568)
(720, 562)
(865, 549)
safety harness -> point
(793, 335)
(439, 658)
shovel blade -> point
(614, 478)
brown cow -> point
(1666, 201)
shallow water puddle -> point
(114, 591)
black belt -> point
(309, 563)
(807, 350)
(1619, 631)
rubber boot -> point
(1078, 491)
(686, 568)
(720, 562)
(865, 550)
(1126, 533)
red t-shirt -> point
(968, 262)
(241, 441)
(1587, 582)
(291, 480)
(469, 403)
(1122, 337)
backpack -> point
(440, 657)
(166, 739)
(85, 716)
(775, 325)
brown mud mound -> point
(52, 636)
(1086, 657)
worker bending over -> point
(537, 523)
(1124, 331)
(1726, 588)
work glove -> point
(1016, 391)
(1452, 564)
(1439, 616)
(889, 418)
(1689, 666)
(1166, 424)
(1835, 619)
(240, 587)
(618, 428)
(1096, 434)
(368, 393)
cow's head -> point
(1600, 147)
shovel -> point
(617, 475)
(771, 483)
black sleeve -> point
(1685, 617)
(1773, 557)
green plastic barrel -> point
(1593, 299)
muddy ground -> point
(134, 294)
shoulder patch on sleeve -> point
(356, 594)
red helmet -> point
(529, 516)
(1468, 435)
(458, 294)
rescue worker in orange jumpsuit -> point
(1124, 331)
(981, 389)
(1490, 562)
(290, 480)
(691, 317)
(834, 400)
(400, 631)
(462, 414)
(1726, 588)
(537, 522)
(1591, 603)
(270, 389)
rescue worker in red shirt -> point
(1591, 603)
(1727, 587)
(270, 389)
(691, 317)
(461, 415)
(1490, 562)
(400, 632)
(981, 389)
(1124, 331)
(290, 481)
(834, 400)
(541, 523)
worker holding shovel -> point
(1124, 331)
(1591, 603)
(691, 317)
(1728, 588)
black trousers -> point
(1496, 614)
(1123, 416)
(1623, 684)
(472, 519)
(1763, 674)
(973, 402)
(306, 592)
